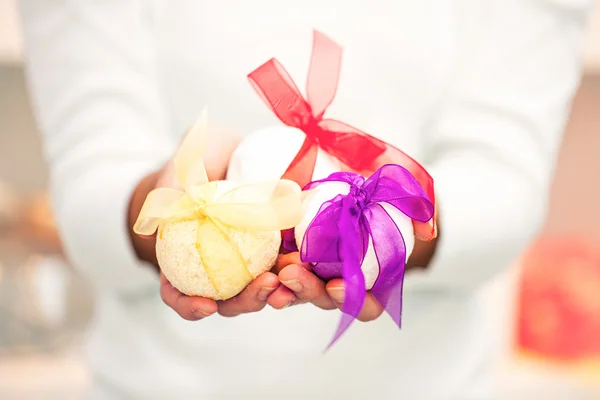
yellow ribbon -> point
(270, 206)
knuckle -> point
(257, 307)
(187, 315)
(366, 318)
(227, 312)
(165, 298)
(369, 315)
(315, 298)
(328, 306)
(313, 293)
(196, 315)
(164, 292)
(251, 306)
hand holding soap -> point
(214, 238)
(369, 216)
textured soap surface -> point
(180, 258)
(265, 155)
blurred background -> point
(549, 300)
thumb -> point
(166, 178)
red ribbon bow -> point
(356, 150)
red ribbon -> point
(356, 150)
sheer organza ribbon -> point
(356, 150)
(338, 237)
(270, 206)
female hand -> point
(300, 285)
(193, 308)
(251, 299)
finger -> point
(147, 237)
(287, 259)
(306, 286)
(251, 299)
(191, 308)
(371, 309)
(282, 298)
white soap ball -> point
(329, 190)
(266, 154)
(180, 261)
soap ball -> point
(180, 261)
(370, 267)
(266, 154)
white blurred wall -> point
(10, 44)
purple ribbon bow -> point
(337, 239)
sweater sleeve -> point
(93, 85)
(493, 147)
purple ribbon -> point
(337, 239)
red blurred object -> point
(558, 303)
(36, 228)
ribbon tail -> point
(354, 280)
(323, 73)
(394, 184)
(269, 206)
(189, 160)
(364, 154)
(160, 204)
(359, 151)
(302, 167)
(279, 92)
(423, 230)
(392, 298)
(390, 251)
(345, 322)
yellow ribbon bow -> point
(270, 206)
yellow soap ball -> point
(179, 257)
(184, 248)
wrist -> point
(144, 246)
(423, 251)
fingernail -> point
(293, 285)
(337, 294)
(200, 314)
(289, 303)
(264, 292)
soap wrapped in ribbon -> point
(368, 216)
(352, 149)
(362, 230)
(214, 238)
